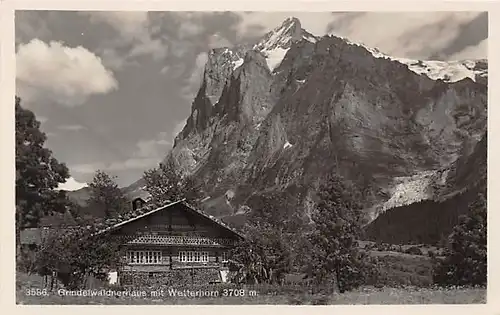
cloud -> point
(133, 163)
(87, 168)
(419, 35)
(134, 30)
(255, 24)
(130, 24)
(165, 69)
(479, 51)
(112, 59)
(178, 128)
(190, 24)
(62, 74)
(152, 148)
(71, 127)
(71, 184)
(217, 40)
(42, 119)
(147, 155)
(149, 152)
(189, 28)
(194, 80)
(29, 25)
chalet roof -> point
(214, 219)
(148, 210)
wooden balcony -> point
(172, 240)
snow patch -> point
(274, 57)
(237, 63)
(448, 71)
(301, 81)
(287, 145)
(276, 43)
(410, 189)
(278, 37)
(310, 38)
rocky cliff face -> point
(281, 114)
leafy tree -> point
(38, 173)
(167, 184)
(465, 260)
(192, 190)
(271, 231)
(74, 254)
(106, 195)
(335, 258)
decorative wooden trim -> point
(150, 239)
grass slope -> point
(274, 295)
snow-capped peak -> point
(276, 43)
(284, 35)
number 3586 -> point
(36, 292)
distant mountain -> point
(80, 196)
(280, 114)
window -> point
(182, 256)
(191, 256)
(143, 257)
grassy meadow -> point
(270, 295)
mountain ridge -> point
(280, 114)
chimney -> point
(137, 203)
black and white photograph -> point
(250, 157)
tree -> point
(38, 173)
(336, 260)
(192, 189)
(271, 235)
(106, 195)
(74, 254)
(167, 184)
(465, 261)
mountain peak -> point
(284, 35)
(291, 22)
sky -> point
(113, 89)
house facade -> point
(173, 243)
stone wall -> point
(175, 277)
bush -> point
(414, 251)
(465, 261)
(77, 254)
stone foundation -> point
(173, 277)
